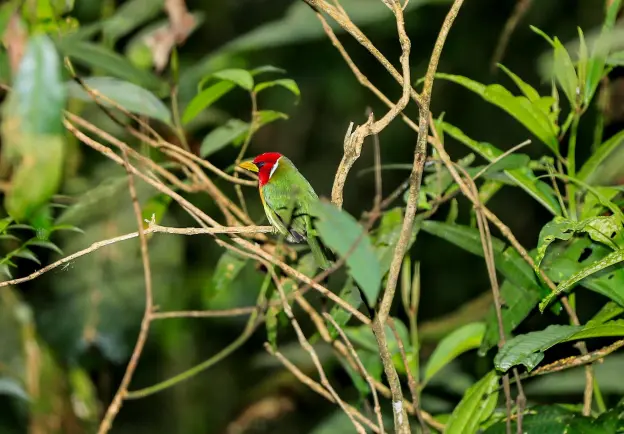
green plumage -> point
(288, 198)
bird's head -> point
(264, 165)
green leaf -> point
(602, 229)
(100, 57)
(205, 99)
(265, 117)
(528, 349)
(340, 231)
(518, 304)
(351, 295)
(609, 311)
(609, 260)
(524, 87)
(32, 129)
(508, 261)
(46, 245)
(386, 237)
(564, 72)
(363, 338)
(475, 407)
(240, 77)
(521, 108)
(270, 320)
(220, 137)
(542, 419)
(287, 83)
(459, 341)
(129, 16)
(596, 64)
(27, 254)
(267, 69)
(523, 178)
(590, 169)
(564, 259)
(133, 98)
(227, 269)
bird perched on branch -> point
(288, 200)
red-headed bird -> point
(288, 199)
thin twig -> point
(363, 372)
(116, 403)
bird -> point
(288, 200)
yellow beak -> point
(248, 165)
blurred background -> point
(88, 312)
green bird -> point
(288, 200)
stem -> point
(175, 111)
(572, 167)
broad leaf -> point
(565, 259)
(606, 262)
(340, 232)
(475, 407)
(590, 169)
(205, 99)
(286, 83)
(131, 97)
(222, 136)
(129, 16)
(459, 341)
(528, 113)
(528, 349)
(523, 178)
(32, 130)
(518, 304)
(240, 77)
(100, 57)
(227, 269)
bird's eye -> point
(259, 165)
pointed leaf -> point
(133, 98)
(523, 349)
(27, 254)
(592, 166)
(46, 245)
(227, 269)
(564, 72)
(240, 77)
(475, 407)
(222, 136)
(523, 178)
(524, 87)
(99, 57)
(205, 99)
(286, 83)
(340, 231)
(459, 341)
(609, 260)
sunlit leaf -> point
(476, 406)
(340, 231)
(459, 341)
(524, 87)
(131, 97)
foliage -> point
(89, 82)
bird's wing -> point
(285, 212)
